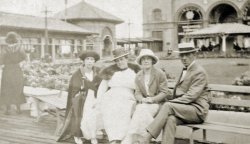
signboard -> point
(189, 28)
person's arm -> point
(195, 90)
(103, 87)
(163, 91)
(138, 94)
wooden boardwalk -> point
(23, 129)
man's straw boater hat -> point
(186, 48)
(119, 52)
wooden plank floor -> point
(23, 129)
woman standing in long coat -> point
(12, 82)
(81, 118)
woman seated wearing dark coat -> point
(81, 116)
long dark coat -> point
(12, 82)
(77, 93)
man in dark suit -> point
(190, 103)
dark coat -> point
(77, 93)
(12, 82)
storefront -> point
(174, 19)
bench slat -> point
(228, 124)
(229, 88)
(223, 128)
(231, 102)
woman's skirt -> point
(12, 85)
(117, 106)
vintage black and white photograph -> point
(124, 71)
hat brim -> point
(138, 59)
(120, 56)
(190, 51)
(84, 55)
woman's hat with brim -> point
(86, 54)
(186, 48)
(146, 52)
(12, 38)
(119, 52)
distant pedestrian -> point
(12, 82)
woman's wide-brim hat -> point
(186, 48)
(119, 52)
(86, 54)
(146, 52)
(12, 38)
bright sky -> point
(127, 10)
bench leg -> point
(58, 122)
(191, 138)
(204, 133)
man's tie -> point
(184, 71)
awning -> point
(221, 29)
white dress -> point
(117, 104)
(90, 122)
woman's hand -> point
(147, 100)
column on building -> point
(53, 55)
(42, 47)
(167, 40)
(84, 44)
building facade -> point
(77, 28)
(171, 20)
(96, 20)
(63, 39)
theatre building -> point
(172, 20)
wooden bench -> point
(56, 99)
(239, 104)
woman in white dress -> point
(151, 90)
(116, 96)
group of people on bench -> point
(132, 103)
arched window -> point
(157, 15)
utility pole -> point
(46, 27)
(65, 10)
(129, 23)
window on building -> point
(157, 15)
(157, 34)
(32, 46)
